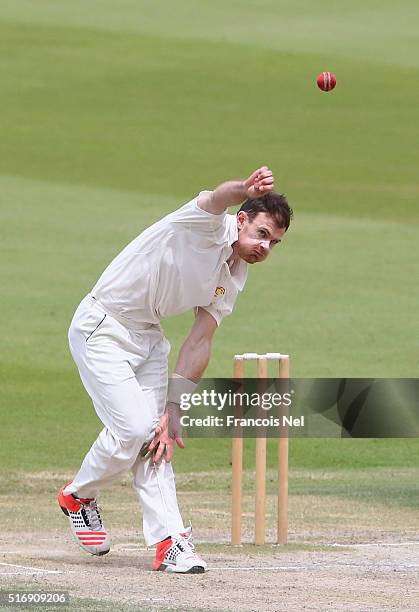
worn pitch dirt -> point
(367, 562)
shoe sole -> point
(196, 569)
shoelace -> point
(187, 535)
(185, 543)
(93, 516)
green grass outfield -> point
(114, 114)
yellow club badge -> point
(219, 291)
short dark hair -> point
(274, 204)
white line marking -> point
(33, 569)
(12, 574)
(153, 599)
(336, 545)
(314, 565)
(262, 569)
(21, 573)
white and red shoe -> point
(177, 554)
(85, 523)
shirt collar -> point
(238, 272)
(232, 231)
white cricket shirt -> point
(176, 264)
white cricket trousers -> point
(125, 374)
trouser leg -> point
(125, 375)
(106, 360)
(155, 484)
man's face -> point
(257, 237)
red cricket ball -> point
(326, 81)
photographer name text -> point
(232, 421)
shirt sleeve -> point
(192, 217)
(221, 308)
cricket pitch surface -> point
(344, 554)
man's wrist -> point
(179, 386)
(241, 192)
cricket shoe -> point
(85, 523)
(177, 554)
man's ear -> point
(241, 219)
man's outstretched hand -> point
(167, 432)
(259, 183)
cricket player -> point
(194, 258)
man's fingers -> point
(257, 174)
(159, 453)
(267, 180)
(262, 180)
(145, 449)
(263, 173)
(169, 453)
(170, 448)
(267, 187)
(153, 443)
(252, 178)
(166, 450)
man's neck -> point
(234, 257)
